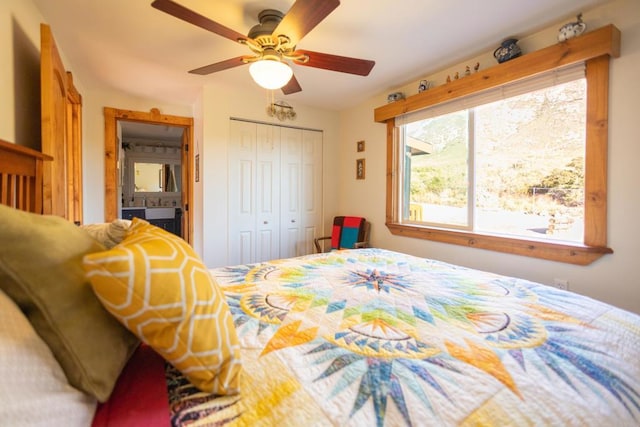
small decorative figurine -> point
(456, 76)
(448, 78)
(467, 71)
(572, 29)
(476, 67)
(509, 49)
(424, 85)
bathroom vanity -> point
(168, 218)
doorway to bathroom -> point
(148, 168)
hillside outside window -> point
(508, 162)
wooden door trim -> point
(74, 152)
(111, 118)
(53, 86)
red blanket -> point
(140, 396)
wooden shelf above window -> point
(603, 41)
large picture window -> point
(512, 158)
(512, 165)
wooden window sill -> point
(572, 253)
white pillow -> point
(108, 234)
(33, 388)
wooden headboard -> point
(21, 177)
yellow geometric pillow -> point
(157, 286)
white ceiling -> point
(127, 45)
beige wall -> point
(614, 278)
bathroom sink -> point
(160, 213)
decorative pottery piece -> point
(509, 49)
(396, 96)
(572, 29)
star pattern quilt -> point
(370, 337)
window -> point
(512, 164)
(576, 191)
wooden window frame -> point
(595, 49)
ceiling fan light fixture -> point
(270, 74)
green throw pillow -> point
(41, 270)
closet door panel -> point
(290, 206)
(312, 200)
(242, 190)
(291, 193)
(268, 193)
(245, 187)
(245, 247)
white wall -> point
(20, 72)
(219, 105)
(614, 278)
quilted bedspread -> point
(371, 337)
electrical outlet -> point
(561, 284)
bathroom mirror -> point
(156, 177)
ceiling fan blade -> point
(303, 16)
(219, 66)
(181, 12)
(292, 87)
(343, 64)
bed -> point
(354, 337)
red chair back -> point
(347, 231)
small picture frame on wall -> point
(197, 172)
(360, 146)
(360, 169)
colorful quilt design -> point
(371, 337)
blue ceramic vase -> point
(508, 49)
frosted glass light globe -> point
(270, 74)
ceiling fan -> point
(273, 41)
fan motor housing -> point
(269, 20)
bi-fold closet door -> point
(275, 191)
